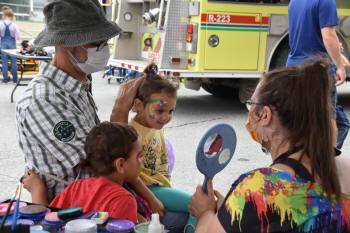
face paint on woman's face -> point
(252, 131)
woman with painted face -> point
(304, 189)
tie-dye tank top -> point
(270, 200)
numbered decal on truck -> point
(219, 18)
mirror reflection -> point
(213, 145)
(224, 156)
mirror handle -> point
(205, 185)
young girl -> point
(154, 104)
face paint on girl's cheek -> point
(152, 106)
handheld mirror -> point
(215, 150)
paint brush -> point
(50, 176)
(16, 210)
(7, 211)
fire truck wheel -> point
(220, 90)
(247, 88)
(280, 56)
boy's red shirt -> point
(99, 194)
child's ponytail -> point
(153, 83)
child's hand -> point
(32, 182)
(157, 207)
(140, 218)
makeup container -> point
(26, 222)
(4, 206)
(141, 228)
(33, 212)
(81, 226)
(51, 222)
(120, 226)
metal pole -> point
(160, 14)
(31, 6)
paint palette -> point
(215, 150)
(4, 206)
(120, 226)
(33, 212)
(81, 225)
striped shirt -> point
(53, 118)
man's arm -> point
(59, 130)
(331, 42)
(125, 100)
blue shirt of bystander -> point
(306, 19)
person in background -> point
(9, 34)
(312, 31)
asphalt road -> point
(195, 113)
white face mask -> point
(97, 60)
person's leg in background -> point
(14, 69)
(343, 125)
(4, 67)
(333, 105)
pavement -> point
(195, 113)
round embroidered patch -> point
(64, 131)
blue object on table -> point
(70, 213)
(215, 150)
(88, 215)
(15, 215)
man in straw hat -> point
(56, 112)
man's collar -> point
(62, 79)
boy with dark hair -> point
(112, 164)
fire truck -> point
(222, 46)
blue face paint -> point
(152, 106)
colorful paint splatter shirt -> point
(155, 161)
(270, 200)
